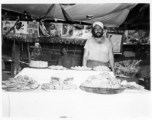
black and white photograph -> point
(6, 26)
(116, 40)
(76, 60)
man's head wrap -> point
(98, 23)
(100, 34)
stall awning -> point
(111, 14)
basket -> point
(102, 90)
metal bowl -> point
(38, 67)
(102, 90)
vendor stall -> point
(43, 88)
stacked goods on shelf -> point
(38, 64)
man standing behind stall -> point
(98, 50)
(66, 60)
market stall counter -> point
(73, 103)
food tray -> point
(18, 90)
(102, 90)
(81, 69)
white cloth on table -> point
(73, 103)
(77, 104)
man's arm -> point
(85, 57)
(60, 61)
(111, 58)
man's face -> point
(52, 26)
(97, 31)
(36, 45)
(64, 51)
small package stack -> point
(59, 81)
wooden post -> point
(28, 51)
(15, 66)
(13, 58)
(75, 49)
(17, 58)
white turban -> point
(98, 23)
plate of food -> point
(101, 68)
(57, 85)
(59, 82)
(57, 67)
(81, 68)
(24, 89)
(132, 85)
(20, 84)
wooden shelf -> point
(135, 43)
(68, 50)
(52, 60)
(75, 50)
(7, 71)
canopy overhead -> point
(111, 14)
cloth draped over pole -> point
(111, 14)
(66, 16)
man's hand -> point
(85, 57)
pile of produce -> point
(106, 81)
(127, 68)
(102, 80)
